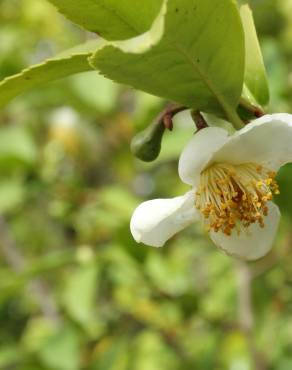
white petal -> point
(155, 221)
(255, 243)
(199, 151)
(266, 140)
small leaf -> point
(256, 84)
(72, 61)
(111, 19)
(193, 55)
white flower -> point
(233, 181)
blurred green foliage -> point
(76, 292)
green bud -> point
(146, 145)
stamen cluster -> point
(235, 196)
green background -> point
(76, 292)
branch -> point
(165, 117)
(199, 120)
(245, 312)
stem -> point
(199, 120)
(234, 119)
(245, 312)
(253, 109)
(165, 117)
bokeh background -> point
(76, 292)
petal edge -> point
(254, 244)
(266, 140)
(198, 152)
(156, 221)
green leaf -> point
(80, 294)
(12, 194)
(111, 19)
(65, 64)
(193, 54)
(62, 350)
(17, 148)
(256, 83)
(95, 91)
(9, 355)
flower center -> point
(235, 196)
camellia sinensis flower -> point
(233, 183)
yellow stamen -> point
(235, 196)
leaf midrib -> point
(195, 66)
(111, 10)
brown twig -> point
(166, 116)
(199, 120)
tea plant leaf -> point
(111, 19)
(193, 54)
(256, 83)
(72, 61)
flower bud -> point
(146, 145)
